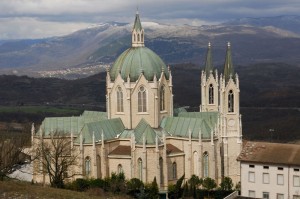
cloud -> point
(65, 16)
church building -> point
(140, 135)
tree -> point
(11, 153)
(194, 183)
(209, 184)
(56, 155)
(176, 190)
(226, 184)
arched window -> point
(174, 170)
(87, 166)
(211, 94)
(142, 99)
(140, 169)
(139, 37)
(142, 38)
(120, 100)
(161, 167)
(230, 101)
(196, 165)
(98, 166)
(205, 164)
(120, 169)
(134, 39)
(162, 98)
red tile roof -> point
(270, 153)
(171, 149)
(121, 150)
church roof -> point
(111, 128)
(121, 150)
(70, 124)
(270, 153)
(136, 60)
(145, 131)
(203, 122)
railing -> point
(232, 195)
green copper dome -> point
(136, 60)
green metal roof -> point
(208, 63)
(137, 23)
(136, 60)
(111, 128)
(194, 122)
(228, 66)
(70, 124)
(142, 130)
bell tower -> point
(209, 85)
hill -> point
(270, 96)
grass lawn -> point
(20, 190)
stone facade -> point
(140, 136)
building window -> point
(280, 179)
(120, 100)
(205, 164)
(251, 166)
(280, 168)
(251, 194)
(142, 100)
(251, 176)
(266, 178)
(266, 167)
(161, 169)
(280, 196)
(296, 180)
(174, 169)
(196, 167)
(162, 98)
(99, 166)
(265, 195)
(211, 94)
(230, 101)
(87, 166)
(140, 169)
(296, 196)
(138, 37)
(296, 169)
(120, 169)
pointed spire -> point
(228, 66)
(208, 63)
(137, 32)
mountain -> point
(290, 23)
(89, 51)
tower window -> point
(134, 39)
(230, 101)
(205, 164)
(211, 94)
(142, 100)
(120, 100)
(162, 98)
(139, 37)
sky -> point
(32, 19)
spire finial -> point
(209, 44)
(228, 44)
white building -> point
(270, 170)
